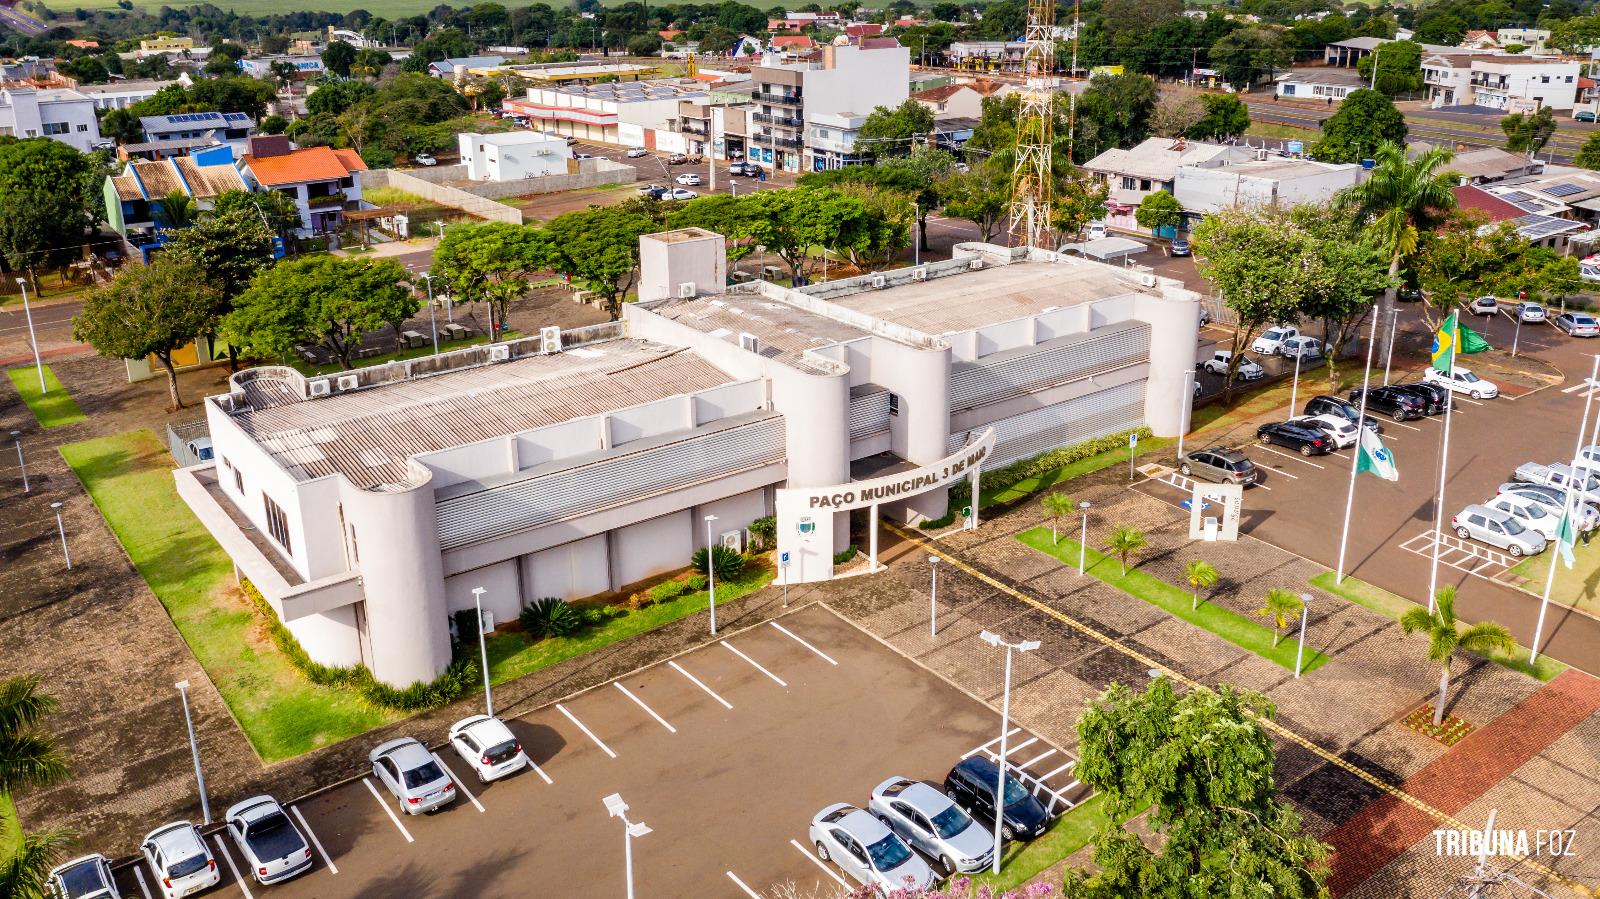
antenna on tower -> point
(1031, 176)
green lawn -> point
(1393, 606)
(511, 656)
(54, 408)
(1282, 132)
(129, 477)
(1071, 470)
(1576, 586)
(1072, 831)
(1225, 623)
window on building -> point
(894, 409)
(1144, 184)
(351, 182)
(56, 128)
(277, 524)
(1127, 184)
(355, 555)
(238, 484)
(86, 128)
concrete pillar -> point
(1174, 320)
(816, 411)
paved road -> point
(25, 24)
(1562, 147)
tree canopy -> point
(149, 310)
(1363, 122)
(50, 202)
(331, 300)
(599, 246)
(1250, 54)
(890, 132)
(1399, 67)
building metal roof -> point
(1157, 159)
(368, 435)
(784, 331)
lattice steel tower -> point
(1031, 177)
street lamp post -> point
(1294, 386)
(1005, 715)
(483, 650)
(916, 238)
(630, 829)
(1083, 538)
(933, 596)
(62, 530)
(1300, 651)
(194, 749)
(21, 463)
(1516, 336)
(32, 338)
(711, 574)
(433, 320)
(1188, 410)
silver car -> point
(88, 877)
(180, 860)
(1530, 312)
(1498, 529)
(1584, 515)
(272, 846)
(929, 821)
(1532, 513)
(1578, 324)
(867, 850)
(410, 772)
(488, 746)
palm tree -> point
(28, 758)
(1056, 506)
(1200, 575)
(1399, 201)
(177, 209)
(1445, 636)
(1126, 541)
(23, 874)
(1282, 606)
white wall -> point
(262, 475)
(30, 113)
(329, 637)
(569, 571)
(652, 547)
(502, 584)
(860, 81)
(733, 514)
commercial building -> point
(166, 45)
(1319, 84)
(631, 114)
(305, 65)
(513, 155)
(986, 56)
(1531, 40)
(1537, 228)
(1259, 183)
(1131, 175)
(1509, 83)
(57, 113)
(808, 113)
(1348, 52)
(447, 68)
(322, 181)
(125, 93)
(367, 506)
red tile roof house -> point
(323, 182)
(792, 43)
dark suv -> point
(1437, 396)
(1396, 402)
(1308, 441)
(1332, 405)
(971, 785)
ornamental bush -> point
(725, 563)
(550, 617)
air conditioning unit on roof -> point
(920, 273)
(349, 382)
(686, 290)
(878, 281)
(550, 340)
(975, 264)
(1148, 281)
(499, 353)
(320, 387)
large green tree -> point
(1115, 111)
(1466, 257)
(1203, 761)
(599, 247)
(893, 132)
(916, 176)
(1399, 67)
(1159, 210)
(50, 202)
(790, 222)
(1365, 121)
(275, 209)
(1226, 117)
(1351, 273)
(149, 310)
(981, 195)
(338, 56)
(331, 300)
(474, 258)
(1589, 155)
(1529, 132)
(231, 248)
(1250, 54)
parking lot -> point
(725, 752)
(1299, 505)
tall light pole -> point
(32, 338)
(1300, 651)
(62, 530)
(711, 574)
(1083, 538)
(630, 829)
(1005, 715)
(483, 651)
(194, 749)
(1188, 410)
(433, 320)
(933, 596)
(916, 233)
(1294, 386)
(21, 463)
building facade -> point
(1321, 84)
(57, 113)
(631, 114)
(305, 65)
(367, 506)
(222, 126)
(1260, 183)
(513, 155)
(323, 182)
(1510, 83)
(797, 102)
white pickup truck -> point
(1584, 485)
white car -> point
(1485, 305)
(1534, 515)
(1462, 380)
(178, 856)
(1530, 312)
(1498, 529)
(272, 846)
(1248, 369)
(689, 179)
(1585, 515)
(636, 152)
(488, 747)
(929, 821)
(1272, 340)
(424, 159)
(1097, 230)
(409, 771)
(679, 193)
(1302, 347)
(1342, 430)
(868, 851)
(88, 877)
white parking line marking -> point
(1023, 745)
(538, 770)
(754, 664)
(228, 857)
(1284, 473)
(586, 731)
(390, 812)
(796, 637)
(1044, 755)
(139, 874)
(640, 702)
(747, 891)
(696, 681)
(1290, 456)
(972, 752)
(326, 858)
(1401, 424)
(1055, 772)
(824, 865)
(1462, 399)
(450, 772)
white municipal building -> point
(366, 506)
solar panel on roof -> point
(1564, 189)
(1516, 196)
(1535, 227)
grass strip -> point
(53, 408)
(1022, 862)
(1225, 623)
(1573, 586)
(129, 477)
(1391, 605)
(511, 656)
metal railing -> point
(778, 99)
(786, 121)
(793, 143)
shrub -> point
(764, 533)
(550, 617)
(697, 582)
(846, 555)
(725, 563)
(597, 615)
(670, 590)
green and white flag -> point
(1565, 537)
(1372, 456)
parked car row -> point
(272, 847)
(1524, 515)
(879, 846)
(1327, 424)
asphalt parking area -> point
(725, 752)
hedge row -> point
(456, 681)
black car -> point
(1332, 405)
(1396, 402)
(971, 784)
(1308, 440)
(1437, 396)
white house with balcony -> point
(57, 113)
(1508, 83)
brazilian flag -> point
(1444, 345)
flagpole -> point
(1355, 457)
(1566, 519)
(1444, 463)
